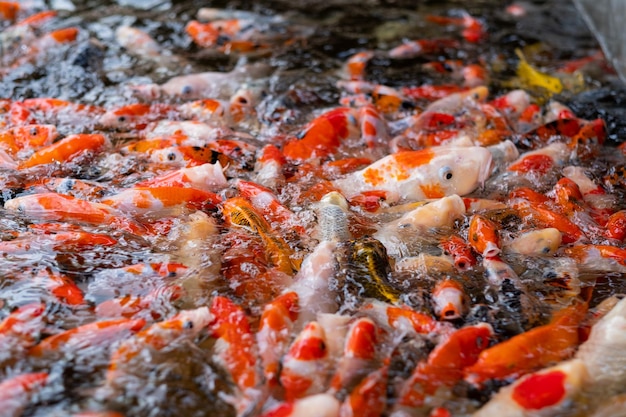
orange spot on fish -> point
(432, 190)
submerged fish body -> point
(424, 174)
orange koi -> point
(305, 366)
(483, 236)
(586, 253)
(531, 350)
(236, 349)
(460, 250)
(403, 318)
(445, 364)
(373, 127)
(23, 324)
(136, 115)
(37, 19)
(568, 196)
(67, 149)
(145, 200)
(60, 285)
(276, 323)
(205, 110)
(369, 397)
(9, 9)
(207, 35)
(354, 68)
(615, 227)
(322, 137)
(65, 208)
(449, 300)
(15, 392)
(534, 212)
(27, 137)
(98, 333)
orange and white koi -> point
(354, 68)
(423, 174)
(236, 349)
(306, 366)
(22, 325)
(445, 364)
(53, 110)
(99, 333)
(59, 285)
(207, 110)
(276, 323)
(151, 200)
(67, 149)
(59, 207)
(359, 356)
(542, 160)
(531, 350)
(549, 390)
(9, 9)
(373, 127)
(460, 250)
(136, 115)
(473, 29)
(539, 215)
(483, 236)
(16, 392)
(137, 306)
(205, 177)
(449, 300)
(402, 320)
(187, 323)
(27, 137)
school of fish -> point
(206, 249)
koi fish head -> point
(457, 170)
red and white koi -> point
(423, 174)
(153, 200)
(306, 366)
(16, 392)
(449, 300)
(205, 177)
(413, 49)
(319, 405)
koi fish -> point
(415, 48)
(333, 218)
(99, 333)
(359, 356)
(27, 137)
(483, 236)
(449, 300)
(354, 68)
(137, 42)
(205, 177)
(16, 392)
(534, 78)
(369, 397)
(187, 323)
(368, 269)
(423, 174)
(59, 207)
(148, 200)
(305, 366)
(460, 250)
(276, 323)
(323, 136)
(66, 149)
(235, 349)
(531, 350)
(240, 213)
(216, 85)
(445, 364)
(22, 326)
(540, 242)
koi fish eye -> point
(186, 90)
(445, 173)
(188, 324)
